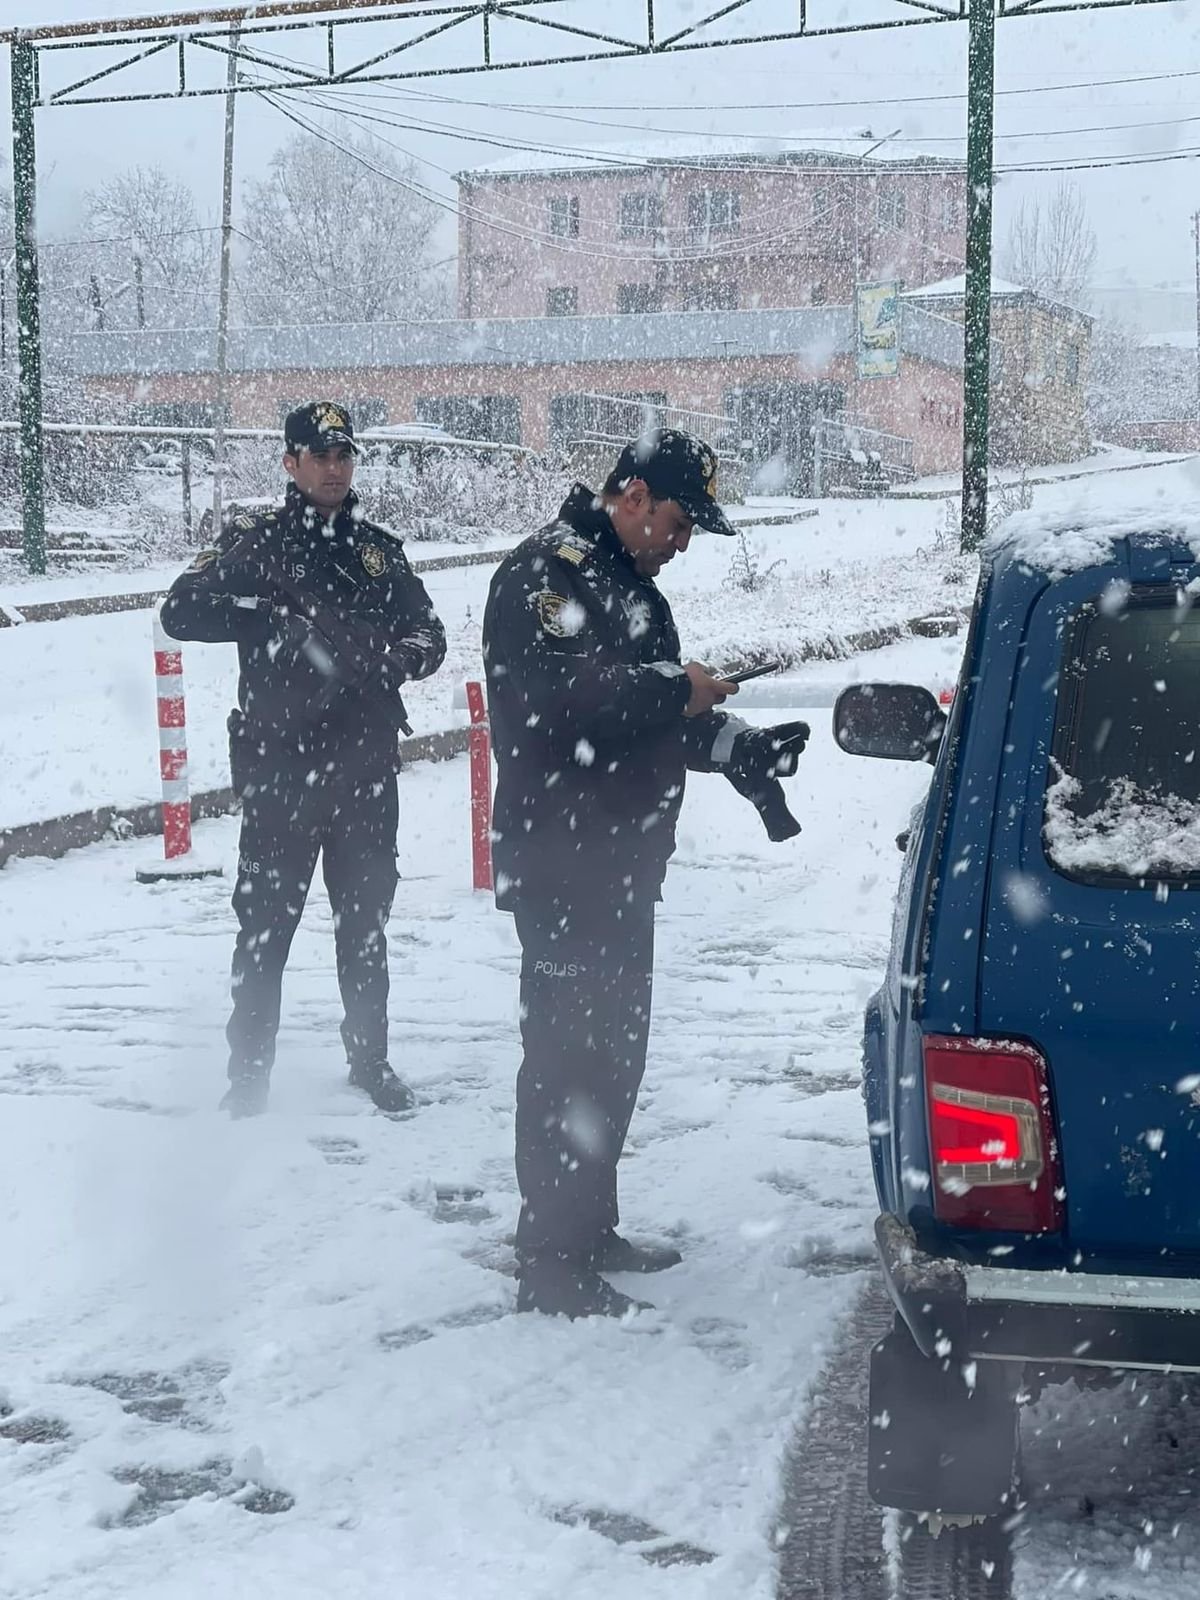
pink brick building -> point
(704, 281)
(701, 226)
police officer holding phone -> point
(595, 720)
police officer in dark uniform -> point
(329, 620)
(595, 721)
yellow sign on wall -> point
(877, 321)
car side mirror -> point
(893, 721)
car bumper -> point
(1048, 1318)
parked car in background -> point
(1032, 1060)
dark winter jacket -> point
(294, 699)
(586, 694)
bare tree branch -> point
(1052, 249)
(335, 240)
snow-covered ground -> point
(78, 728)
(276, 1358)
(302, 1318)
(1105, 458)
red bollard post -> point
(173, 765)
(172, 744)
(480, 746)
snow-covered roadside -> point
(334, 1330)
(1104, 459)
(78, 725)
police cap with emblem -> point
(675, 466)
(319, 426)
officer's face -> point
(653, 531)
(323, 477)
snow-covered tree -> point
(138, 255)
(161, 248)
(1052, 248)
(338, 233)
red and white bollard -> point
(173, 764)
(172, 744)
(479, 743)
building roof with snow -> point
(950, 290)
(840, 148)
(956, 288)
(817, 333)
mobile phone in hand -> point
(751, 672)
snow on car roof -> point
(1070, 540)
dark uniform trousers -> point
(296, 815)
(586, 972)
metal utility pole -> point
(981, 85)
(1196, 231)
(29, 327)
(223, 293)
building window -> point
(562, 301)
(891, 208)
(714, 211)
(476, 416)
(720, 295)
(820, 205)
(368, 411)
(564, 215)
(635, 297)
(641, 216)
(1072, 366)
(951, 209)
(818, 294)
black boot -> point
(390, 1093)
(568, 1289)
(246, 1096)
(615, 1254)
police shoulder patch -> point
(373, 560)
(553, 614)
(202, 559)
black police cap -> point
(675, 466)
(319, 426)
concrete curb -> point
(1043, 482)
(55, 836)
(101, 605)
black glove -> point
(767, 797)
(759, 754)
(381, 685)
(293, 637)
(288, 632)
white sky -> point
(1142, 215)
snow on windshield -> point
(1065, 541)
(1136, 832)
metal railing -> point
(847, 441)
(401, 436)
(615, 419)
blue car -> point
(1032, 1060)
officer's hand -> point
(759, 754)
(707, 691)
(293, 636)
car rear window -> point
(1123, 799)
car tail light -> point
(991, 1135)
